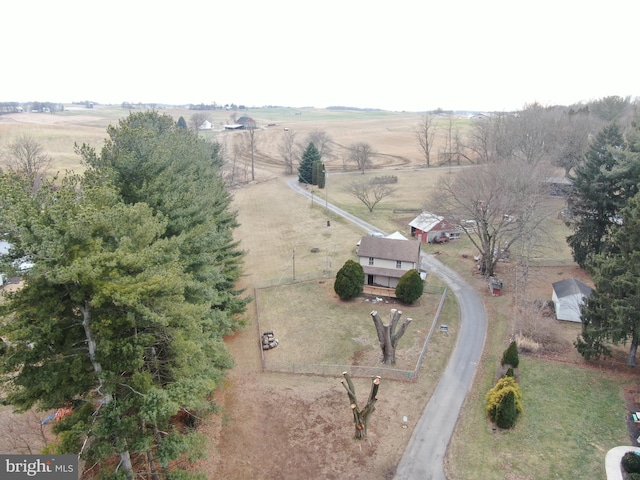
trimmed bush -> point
(506, 410)
(495, 406)
(510, 355)
(410, 287)
(349, 280)
(509, 372)
(631, 462)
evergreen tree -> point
(498, 392)
(506, 412)
(610, 313)
(182, 123)
(177, 173)
(510, 355)
(130, 293)
(601, 187)
(410, 287)
(305, 170)
(349, 280)
(322, 176)
(101, 323)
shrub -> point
(410, 286)
(509, 372)
(631, 462)
(510, 355)
(495, 399)
(349, 280)
(385, 179)
(632, 476)
(506, 410)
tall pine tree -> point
(610, 314)
(121, 316)
(305, 170)
(601, 187)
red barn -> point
(431, 228)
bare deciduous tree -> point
(387, 335)
(503, 201)
(480, 139)
(198, 119)
(453, 151)
(288, 150)
(322, 141)
(23, 433)
(571, 140)
(253, 142)
(26, 157)
(425, 134)
(370, 193)
(361, 154)
(361, 416)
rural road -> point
(424, 457)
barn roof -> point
(428, 222)
(389, 249)
(570, 287)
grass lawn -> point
(314, 326)
(572, 417)
(572, 414)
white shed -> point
(568, 295)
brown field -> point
(275, 426)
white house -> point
(385, 260)
(568, 295)
(206, 125)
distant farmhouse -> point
(241, 123)
(430, 228)
(206, 125)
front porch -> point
(379, 291)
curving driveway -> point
(424, 457)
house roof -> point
(244, 120)
(428, 222)
(570, 287)
(389, 249)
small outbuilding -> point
(431, 228)
(568, 296)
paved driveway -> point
(424, 457)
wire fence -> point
(301, 368)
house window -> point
(398, 264)
(370, 260)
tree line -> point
(501, 204)
(129, 291)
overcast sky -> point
(397, 55)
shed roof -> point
(389, 249)
(570, 287)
